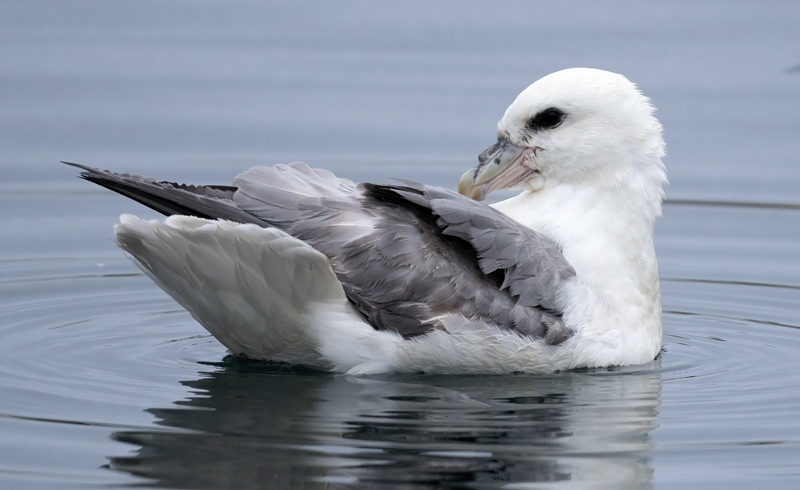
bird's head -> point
(579, 126)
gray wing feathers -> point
(532, 266)
(408, 254)
(210, 202)
(303, 201)
(405, 255)
(373, 252)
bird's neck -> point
(606, 234)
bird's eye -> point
(547, 119)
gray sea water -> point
(105, 382)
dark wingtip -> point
(83, 167)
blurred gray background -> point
(200, 90)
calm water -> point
(106, 382)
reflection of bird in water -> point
(248, 428)
(406, 278)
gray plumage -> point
(168, 198)
(406, 255)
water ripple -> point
(109, 351)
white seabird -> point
(296, 265)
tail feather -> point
(250, 287)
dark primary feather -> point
(405, 254)
(210, 202)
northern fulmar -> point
(296, 265)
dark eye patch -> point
(547, 119)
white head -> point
(580, 126)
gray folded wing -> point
(532, 264)
(407, 255)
